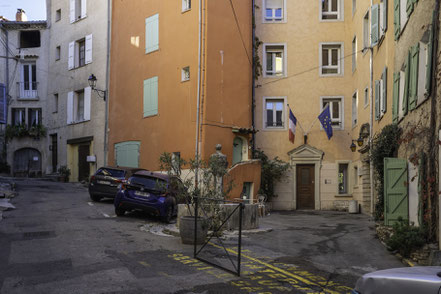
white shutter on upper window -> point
(70, 60)
(72, 11)
(87, 95)
(70, 107)
(89, 49)
(83, 8)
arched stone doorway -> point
(27, 162)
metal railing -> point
(27, 90)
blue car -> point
(147, 191)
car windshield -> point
(116, 173)
(149, 183)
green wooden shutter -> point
(396, 200)
(384, 101)
(377, 100)
(152, 33)
(413, 85)
(397, 19)
(406, 84)
(127, 153)
(385, 4)
(374, 24)
(150, 97)
(429, 58)
(396, 97)
(409, 7)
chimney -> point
(21, 15)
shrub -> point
(406, 238)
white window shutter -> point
(87, 95)
(72, 11)
(83, 8)
(70, 108)
(70, 61)
(89, 49)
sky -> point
(35, 9)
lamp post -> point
(353, 146)
(92, 83)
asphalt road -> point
(58, 241)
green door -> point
(127, 154)
(237, 150)
(396, 200)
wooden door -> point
(305, 186)
(237, 150)
(83, 165)
(396, 196)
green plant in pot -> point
(64, 172)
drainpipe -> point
(198, 94)
(253, 91)
(106, 112)
(371, 120)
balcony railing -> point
(27, 90)
(275, 124)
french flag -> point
(292, 126)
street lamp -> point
(353, 147)
(92, 83)
(360, 141)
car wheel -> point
(95, 197)
(119, 211)
(168, 214)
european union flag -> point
(325, 120)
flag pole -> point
(298, 122)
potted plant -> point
(64, 172)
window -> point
(186, 5)
(366, 97)
(150, 97)
(381, 95)
(402, 108)
(342, 178)
(331, 59)
(331, 10)
(28, 83)
(354, 6)
(80, 52)
(58, 15)
(78, 105)
(383, 18)
(274, 61)
(78, 10)
(55, 103)
(18, 116)
(29, 39)
(354, 109)
(274, 10)
(57, 53)
(336, 110)
(356, 175)
(354, 53)
(403, 14)
(185, 74)
(274, 113)
(366, 40)
(34, 117)
(152, 33)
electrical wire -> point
(240, 33)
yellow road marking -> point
(144, 263)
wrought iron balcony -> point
(275, 124)
(27, 90)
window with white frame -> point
(34, 117)
(423, 60)
(274, 116)
(331, 9)
(78, 105)
(186, 5)
(78, 9)
(28, 83)
(366, 96)
(335, 109)
(403, 13)
(343, 178)
(274, 10)
(185, 74)
(366, 35)
(401, 94)
(80, 52)
(274, 62)
(354, 109)
(354, 53)
(383, 18)
(18, 116)
(381, 95)
(331, 59)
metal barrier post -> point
(195, 226)
(239, 249)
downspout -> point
(253, 91)
(107, 96)
(196, 155)
(371, 120)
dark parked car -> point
(150, 192)
(104, 183)
(407, 280)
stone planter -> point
(186, 230)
